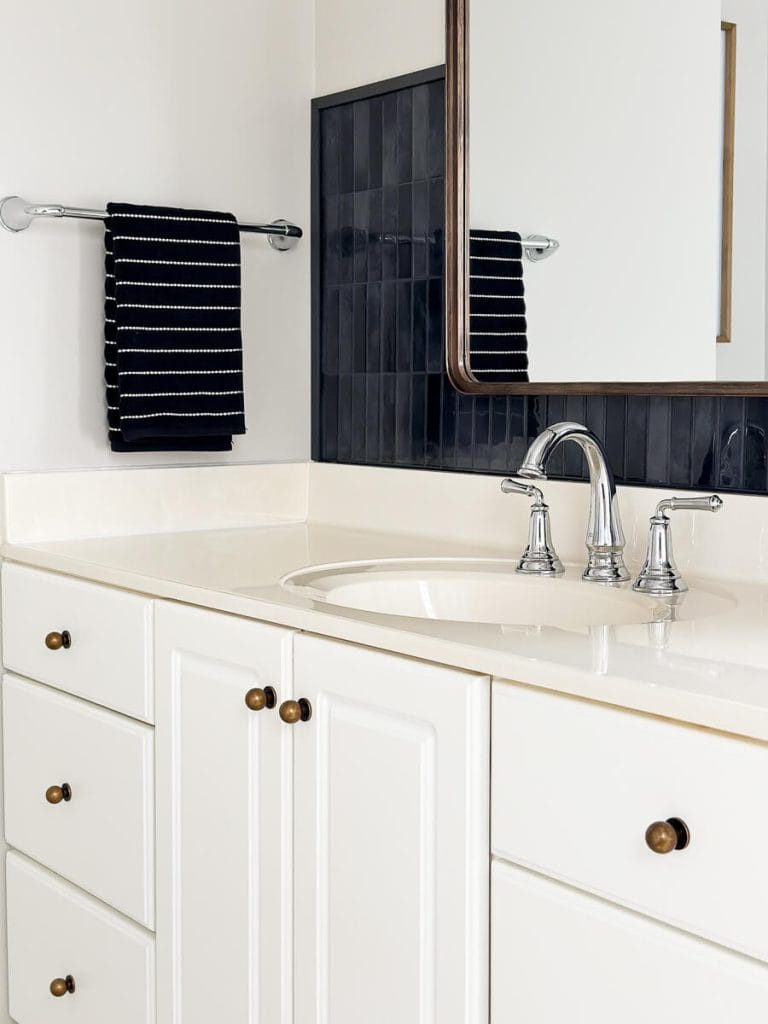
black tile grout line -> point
(724, 440)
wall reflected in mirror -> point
(635, 135)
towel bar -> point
(16, 214)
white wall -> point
(361, 41)
(179, 102)
(745, 357)
(596, 123)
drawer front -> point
(100, 832)
(561, 955)
(109, 657)
(575, 786)
(54, 930)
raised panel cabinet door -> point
(558, 954)
(223, 825)
(391, 839)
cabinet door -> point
(391, 839)
(561, 955)
(223, 821)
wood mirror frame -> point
(457, 253)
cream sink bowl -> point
(475, 590)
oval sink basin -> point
(468, 590)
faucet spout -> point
(605, 537)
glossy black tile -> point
(361, 114)
(405, 135)
(380, 391)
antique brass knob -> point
(61, 986)
(666, 836)
(55, 641)
(293, 711)
(257, 699)
(55, 794)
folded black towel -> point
(498, 342)
(173, 348)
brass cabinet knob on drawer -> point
(55, 794)
(293, 711)
(55, 641)
(666, 836)
(62, 986)
(258, 699)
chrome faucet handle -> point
(539, 557)
(713, 503)
(659, 576)
(510, 486)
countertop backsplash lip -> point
(137, 500)
(453, 507)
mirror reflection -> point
(617, 190)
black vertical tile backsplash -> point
(381, 394)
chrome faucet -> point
(660, 576)
(605, 537)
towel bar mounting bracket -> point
(536, 253)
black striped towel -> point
(498, 342)
(173, 348)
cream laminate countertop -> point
(711, 672)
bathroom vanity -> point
(240, 803)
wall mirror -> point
(607, 188)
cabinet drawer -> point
(561, 955)
(109, 657)
(575, 786)
(54, 931)
(102, 836)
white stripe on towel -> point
(208, 330)
(177, 263)
(175, 351)
(501, 241)
(175, 394)
(181, 284)
(163, 216)
(156, 305)
(155, 415)
(171, 373)
(174, 241)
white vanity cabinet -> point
(298, 830)
(330, 865)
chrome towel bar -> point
(16, 214)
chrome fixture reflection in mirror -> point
(641, 148)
